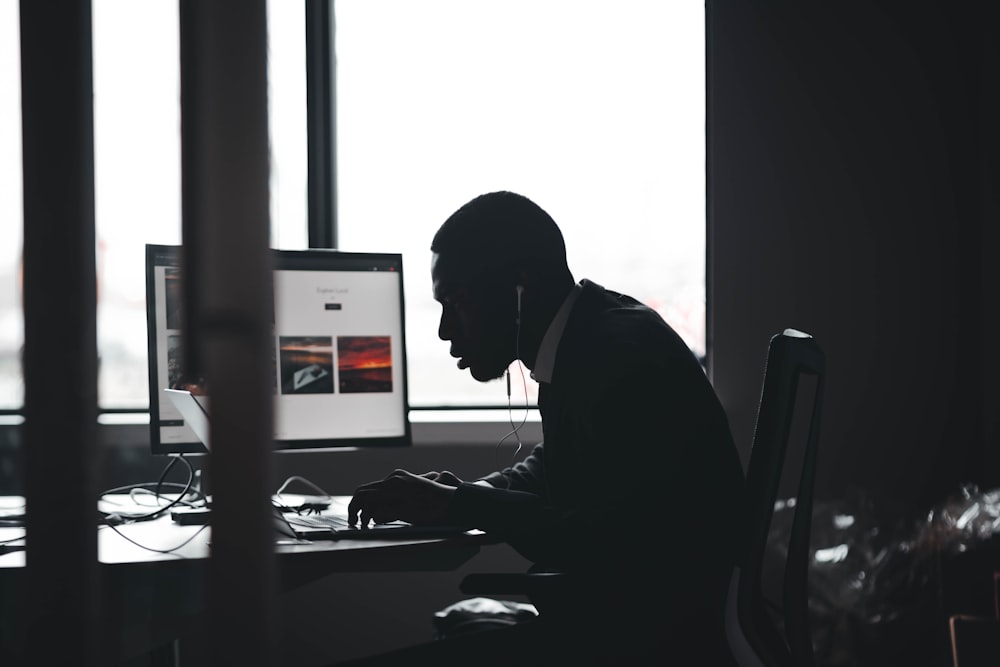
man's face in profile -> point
(477, 317)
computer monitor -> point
(338, 351)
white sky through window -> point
(593, 109)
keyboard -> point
(317, 521)
(335, 527)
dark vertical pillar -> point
(60, 333)
(710, 268)
(988, 130)
(228, 306)
(321, 97)
(956, 70)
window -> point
(138, 183)
(136, 56)
(137, 178)
(11, 326)
(595, 110)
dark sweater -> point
(638, 478)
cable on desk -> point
(13, 521)
(159, 551)
(116, 518)
(113, 519)
(143, 487)
(306, 507)
(135, 493)
(163, 475)
(12, 539)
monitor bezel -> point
(314, 258)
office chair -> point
(754, 639)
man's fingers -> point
(369, 493)
(364, 500)
(380, 503)
(353, 508)
(401, 496)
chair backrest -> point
(753, 638)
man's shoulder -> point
(614, 337)
(616, 323)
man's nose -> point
(444, 325)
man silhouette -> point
(634, 488)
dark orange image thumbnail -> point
(364, 364)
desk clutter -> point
(887, 593)
(154, 574)
(11, 525)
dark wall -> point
(851, 195)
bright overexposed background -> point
(593, 109)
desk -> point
(149, 598)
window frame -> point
(321, 140)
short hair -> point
(499, 230)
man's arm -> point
(427, 498)
(652, 451)
(419, 499)
(527, 475)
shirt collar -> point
(545, 361)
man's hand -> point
(417, 499)
(445, 477)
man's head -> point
(482, 254)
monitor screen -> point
(338, 351)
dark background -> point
(853, 194)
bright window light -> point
(137, 156)
(11, 321)
(594, 110)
